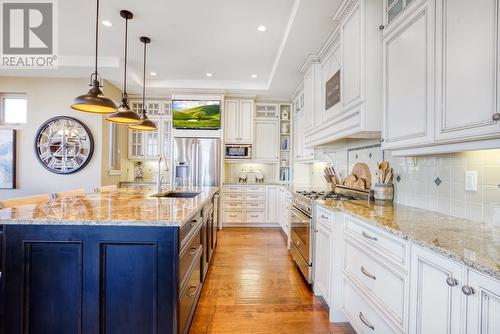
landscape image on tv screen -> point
(190, 114)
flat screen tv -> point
(196, 114)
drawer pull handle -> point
(324, 217)
(193, 251)
(233, 216)
(451, 281)
(467, 290)
(192, 290)
(367, 274)
(366, 322)
(367, 236)
(254, 216)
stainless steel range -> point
(302, 234)
(302, 230)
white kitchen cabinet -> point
(152, 141)
(352, 65)
(323, 254)
(166, 131)
(135, 144)
(247, 205)
(231, 120)
(301, 152)
(238, 120)
(148, 145)
(273, 204)
(409, 81)
(309, 99)
(266, 141)
(358, 50)
(483, 305)
(266, 111)
(435, 293)
(467, 69)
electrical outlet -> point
(471, 181)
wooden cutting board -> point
(362, 171)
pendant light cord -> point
(96, 38)
(125, 71)
(144, 83)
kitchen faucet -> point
(159, 178)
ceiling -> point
(193, 37)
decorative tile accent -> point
(356, 156)
(398, 178)
(370, 155)
(438, 181)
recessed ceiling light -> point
(261, 28)
(254, 76)
(209, 74)
(152, 74)
(107, 23)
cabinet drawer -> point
(385, 284)
(255, 205)
(363, 317)
(256, 189)
(324, 216)
(233, 206)
(389, 246)
(233, 216)
(188, 228)
(188, 297)
(188, 256)
(255, 217)
(255, 197)
(234, 189)
(233, 197)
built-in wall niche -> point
(232, 171)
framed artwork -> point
(332, 94)
(7, 159)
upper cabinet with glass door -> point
(393, 8)
(266, 111)
(149, 145)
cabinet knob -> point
(451, 281)
(496, 117)
(467, 290)
(381, 27)
(381, 140)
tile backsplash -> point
(437, 183)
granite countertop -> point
(477, 245)
(129, 206)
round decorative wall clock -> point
(64, 145)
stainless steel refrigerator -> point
(196, 162)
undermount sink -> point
(177, 194)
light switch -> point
(471, 181)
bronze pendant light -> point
(146, 124)
(124, 115)
(94, 101)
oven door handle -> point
(303, 218)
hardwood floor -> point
(253, 287)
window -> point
(13, 109)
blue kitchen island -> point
(123, 262)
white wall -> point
(49, 97)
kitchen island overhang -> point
(62, 273)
